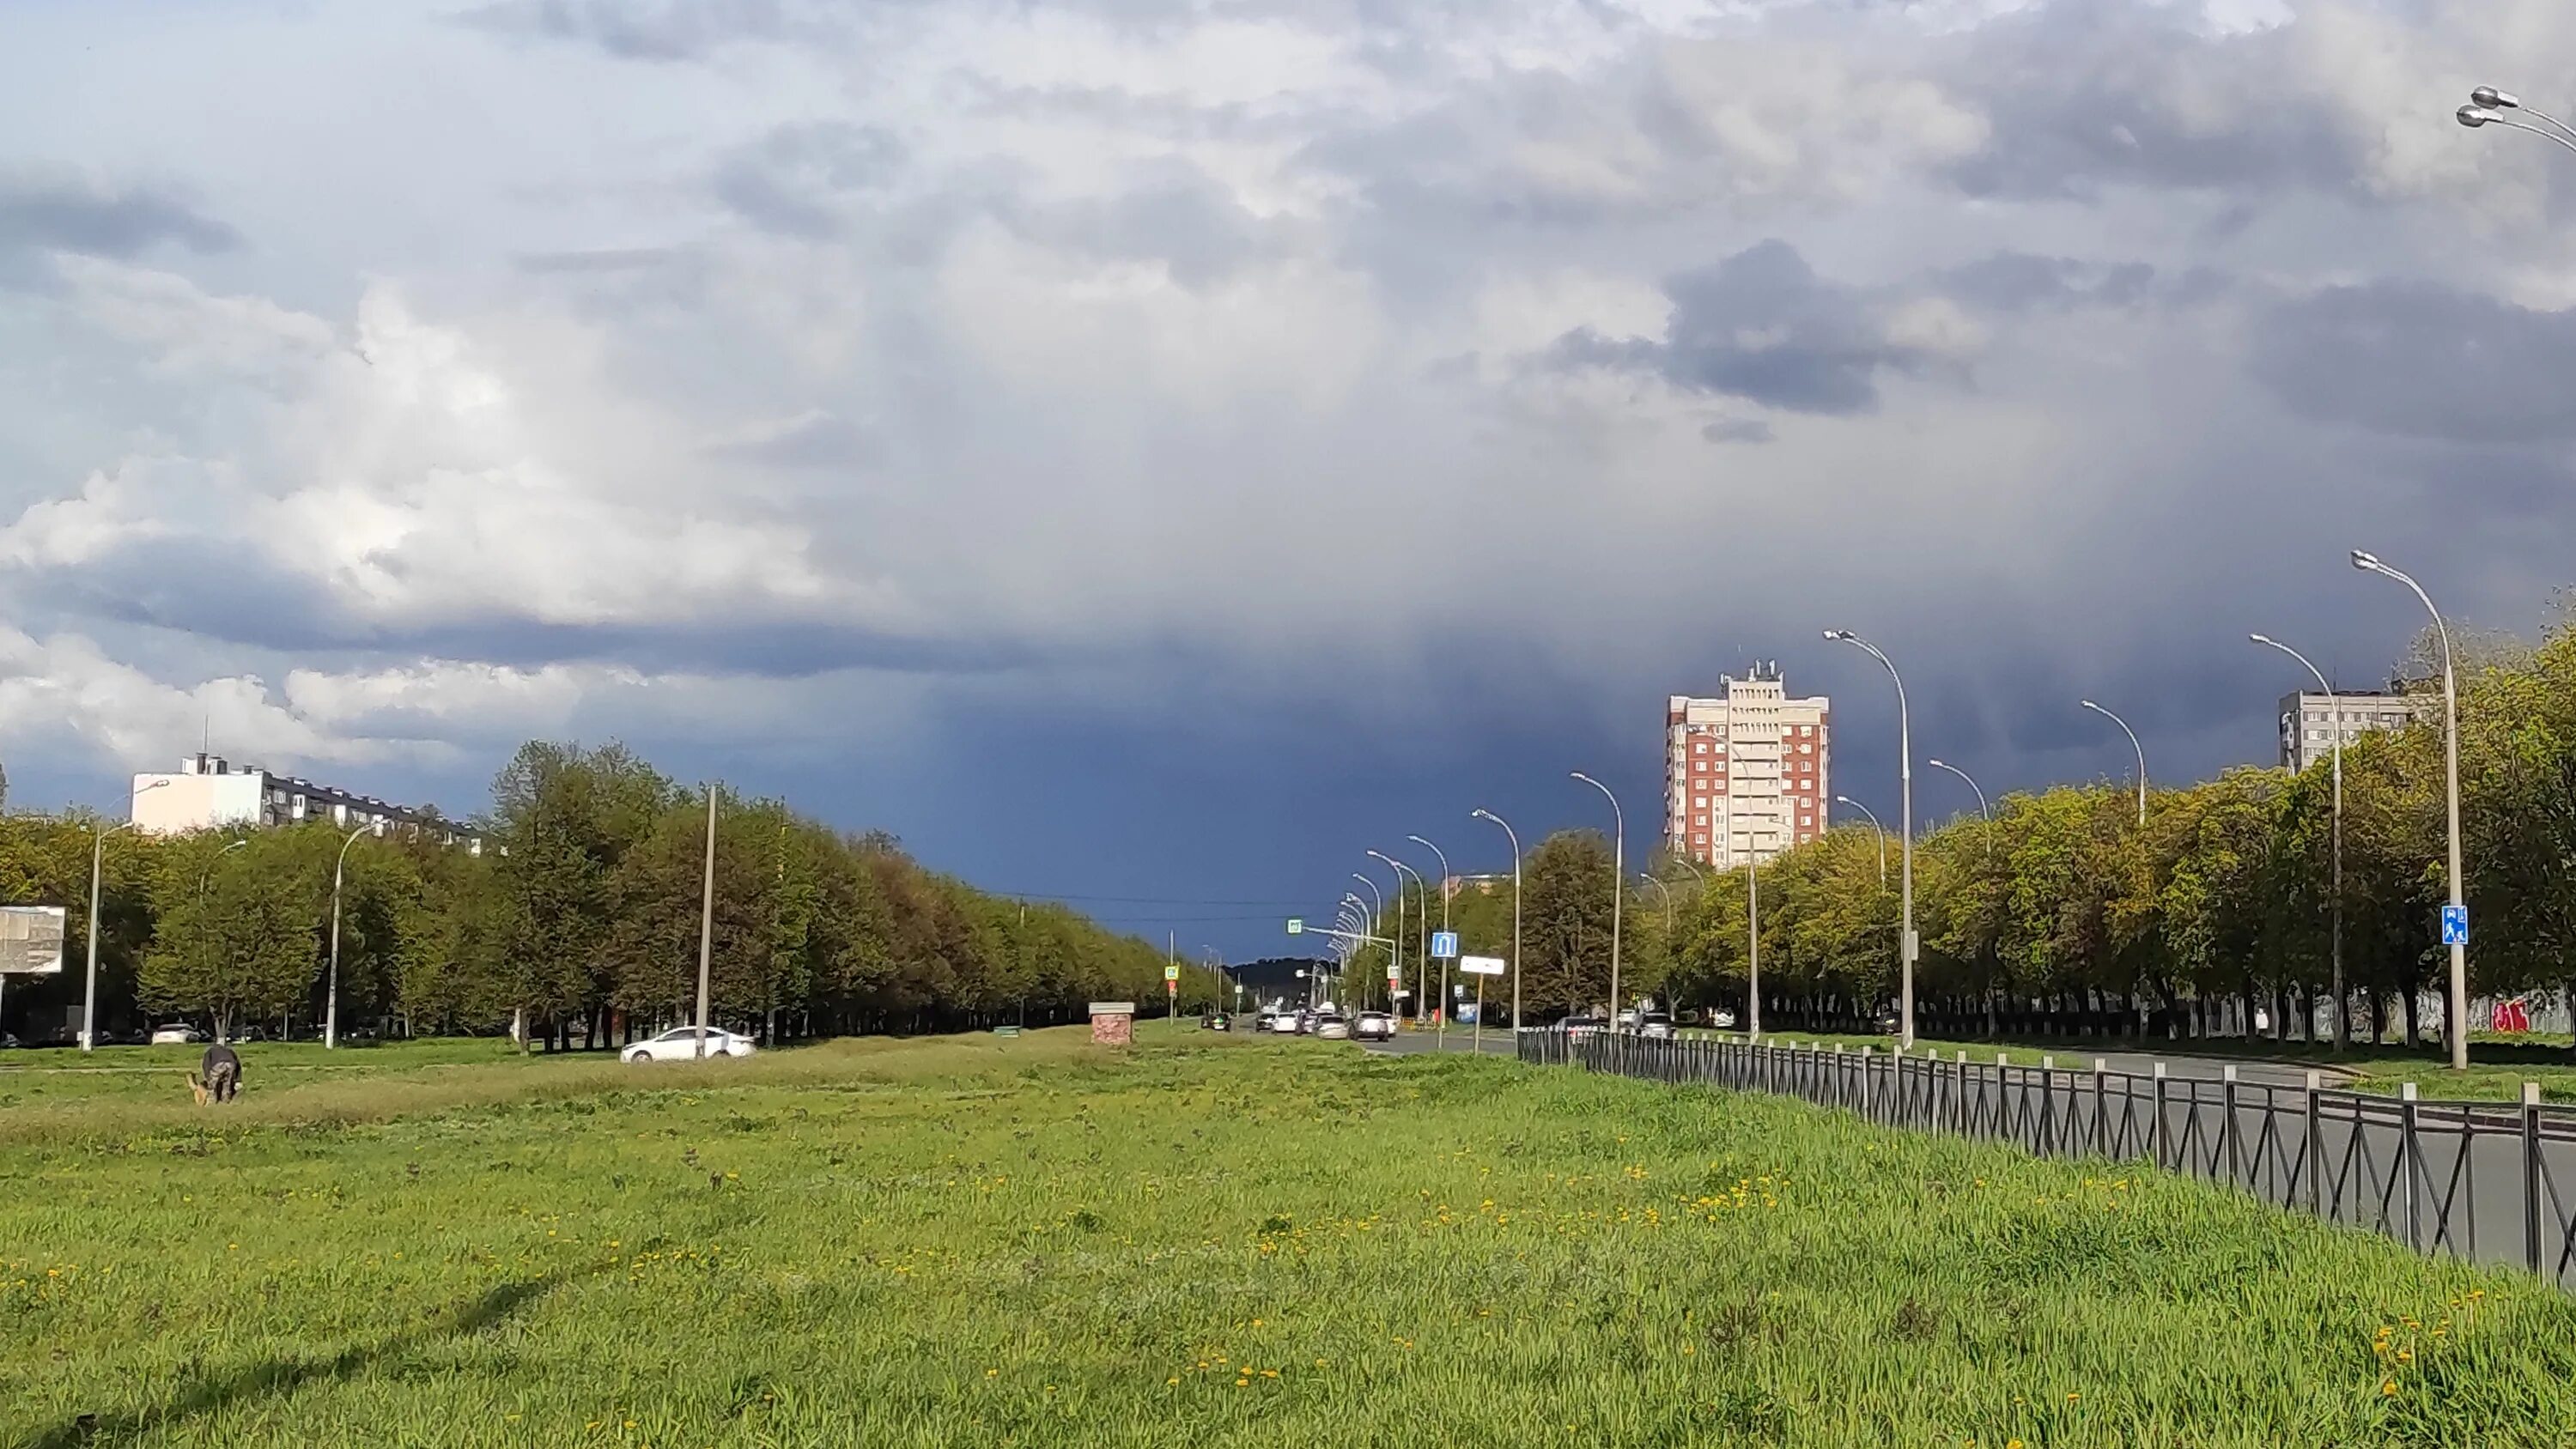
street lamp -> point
(2459, 1003)
(1394, 942)
(1514, 838)
(1874, 825)
(1982, 807)
(331, 996)
(1618, 884)
(706, 922)
(2487, 107)
(1401, 871)
(2342, 1026)
(1667, 894)
(1905, 942)
(2133, 744)
(1440, 1031)
(97, 856)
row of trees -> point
(578, 919)
(2062, 913)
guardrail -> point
(2489, 1181)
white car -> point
(176, 1035)
(680, 1044)
(1284, 1024)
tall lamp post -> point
(1905, 942)
(1514, 838)
(1440, 1040)
(1872, 817)
(331, 994)
(2487, 107)
(97, 857)
(1982, 807)
(1403, 873)
(1394, 942)
(707, 922)
(1618, 884)
(2458, 1012)
(1986, 811)
(2133, 744)
(2342, 1022)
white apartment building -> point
(208, 792)
(1747, 773)
(2310, 721)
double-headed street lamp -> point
(1905, 942)
(2342, 1023)
(2133, 744)
(1875, 826)
(1512, 836)
(1395, 942)
(2487, 107)
(1618, 883)
(2459, 940)
(1401, 872)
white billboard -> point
(31, 940)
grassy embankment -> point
(1199, 1242)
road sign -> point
(2455, 925)
(1444, 945)
(1481, 965)
(1296, 926)
(1171, 973)
(31, 940)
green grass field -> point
(1198, 1241)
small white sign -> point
(1481, 965)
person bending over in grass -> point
(222, 1068)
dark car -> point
(1886, 1022)
(1217, 1021)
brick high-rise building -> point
(1746, 773)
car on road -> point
(1628, 1019)
(1264, 1019)
(1656, 1026)
(1216, 1021)
(1723, 1018)
(1885, 1022)
(1285, 1023)
(1583, 1026)
(1332, 1026)
(177, 1034)
(680, 1044)
(1373, 1026)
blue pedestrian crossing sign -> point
(1444, 945)
(2455, 925)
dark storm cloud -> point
(2419, 359)
(2080, 96)
(796, 180)
(70, 217)
(1762, 326)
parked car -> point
(1332, 1026)
(1582, 1025)
(1886, 1022)
(1628, 1019)
(1374, 1026)
(1656, 1026)
(680, 1044)
(1285, 1023)
(1265, 1020)
(1722, 1017)
(178, 1033)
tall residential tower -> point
(1745, 773)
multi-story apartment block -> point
(209, 792)
(1747, 773)
(2310, 721)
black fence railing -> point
(2489, 1181)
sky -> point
(1150, 451)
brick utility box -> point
(1113, 1023)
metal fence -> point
(2489, 1181)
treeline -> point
(2064, 915)
(578, 923)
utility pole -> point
(707, 922)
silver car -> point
(1333, 1026)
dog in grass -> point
(198, 1089)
